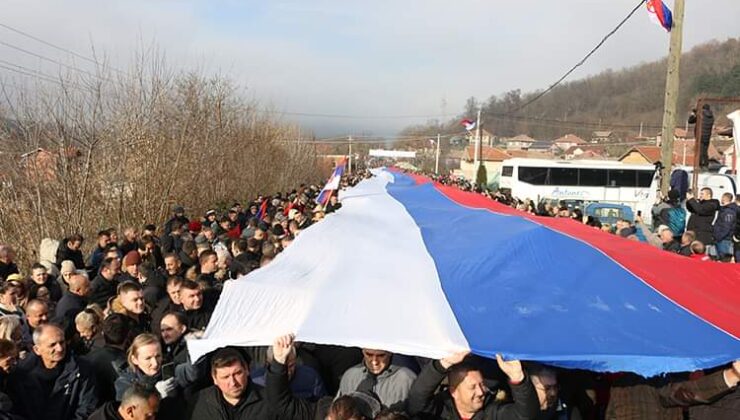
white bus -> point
(582, 181)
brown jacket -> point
(632, 397)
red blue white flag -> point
(468, 124)
(333, 182)
(660, 14)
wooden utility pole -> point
(478, 144)
(436, 159)
(671, 96)
(349, 168)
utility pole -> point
(436, 161)
(640, 130)
(478, 143)
(671, 96)
(349, 168)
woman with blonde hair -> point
(145, 368)
(88, 325)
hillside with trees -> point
(617, 100)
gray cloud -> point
(369, 58)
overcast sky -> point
(369, 58)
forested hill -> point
(620, 99)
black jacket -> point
(107, 363)
(67, 309)
(108, 411)
(424, 404)
(281, 399)
(72, 397)
(7, 269)
(101, 290)
(707, 122)
(64, 253)
(701, 219)
(210, 405)
(162, 307)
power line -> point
(51, 60)
(353, 117)
(583, 60)
(25, 71)
(49, 44)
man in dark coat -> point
(704, 132)
(73, 301)
(109, 360)
(233, 396)
(634, 397)
(7, 266)
(179, 215)
(138, 402)
(52, 384)
(103, 286)
(702, 212)
(40, 277)
(724, 227)
(69, 249)
(467, 396)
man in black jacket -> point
(69, 249)
(104, 285)
(702, 212)
(73, 301)
(109, 360)
(52, 384)
(467, 396)
(40, 277)
(233, 396)
(138, 403)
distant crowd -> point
(700, 227)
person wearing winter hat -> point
(130, 264)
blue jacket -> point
(724, 226)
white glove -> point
(166, 388)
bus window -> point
(622, 178)
(533, 175)
(563, 176)
(592, 177)
(507, 171)
(645, 178)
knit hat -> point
(132, 258)
(195, 226)
(178, 210)
(68, 267)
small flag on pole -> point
(333, 183)
(660, 14)
(468, 124)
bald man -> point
(37, 313)
(73, 301)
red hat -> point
(195, 226)
(132, 258)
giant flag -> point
(423, 269)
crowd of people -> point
(700, 227)
(101, 335)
